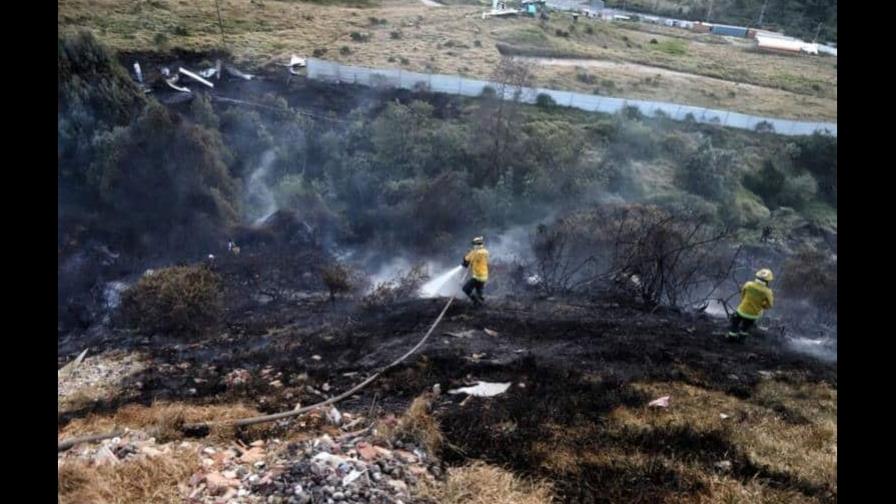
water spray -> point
(437, 286)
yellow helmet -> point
(765, 274)
(478, 240)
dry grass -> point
(480, 483)
(785, 428)
(416, 424)
(162, 419)
(455, 40)
(135, 481)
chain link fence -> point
(383, 78)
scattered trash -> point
(296, 62)
(662, 402)
(138, 72)
(316, 357)
(490, 332)
(236, 73)
(351, 477)
(70, 367)
(724, 465)
(172, 83)
(462, 334)
(724, 416)
(209, 72)
(483, 389)
(334, 416)
(195, 77)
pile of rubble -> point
(132, 444)
(98, 376)
(350, 468)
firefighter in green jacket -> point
(755, 297)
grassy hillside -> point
(693, 69)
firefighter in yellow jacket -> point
(755, 297)
(477, 260)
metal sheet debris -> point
(195, 77)
(483, 389)
(236, 73)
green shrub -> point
(798, 191)
(179, 301)
(359, 37)
(710, 172)
(767, 183)
(545, 100)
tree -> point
(498, 120)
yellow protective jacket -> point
(754, 298)
(477, 259)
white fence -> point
(329, 71)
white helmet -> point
(765, 274)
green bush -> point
(798, 191)
(710, 172)
(544, 100)
(181, 301)
(359, 37)
(767, 183)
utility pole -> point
(220, 22)
(762, 13)
(709, 14)
(817, 31)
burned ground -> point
(572, 365)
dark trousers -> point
(471, 285)
(740, 324)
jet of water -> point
(440, 284)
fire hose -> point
(242, 422)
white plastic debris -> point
(483, 389)
(172, 83)
(138, 72)
(724, 416)
(334, 416)
(296, 62)
(351, 477)
(208, 73)
(490, 332)
(236, 73)
(329, 459)
(662, 402)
